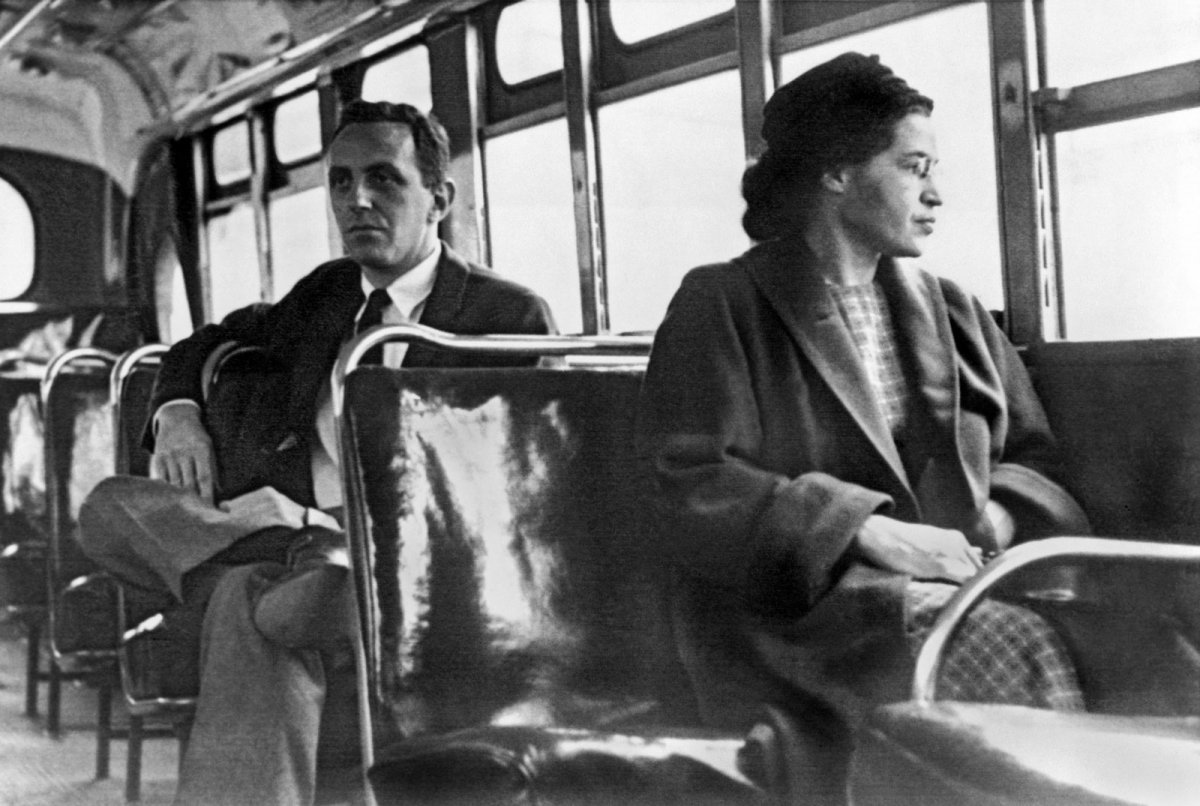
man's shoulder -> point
(480, 279)
(475, 298)
(330, 273)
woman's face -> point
(889, 200)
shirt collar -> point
(411, 288)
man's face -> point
(891, 197)
(387, 217)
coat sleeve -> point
(179, 377)
(1027, 476)
(719, 512)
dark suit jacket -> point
(768, 452)
(303, 333)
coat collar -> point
(449, 286)
(444, 304)
(332, 322)
(785, 274)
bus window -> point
(17, 247)
(635, 20)
(402, 78)
(231, 153)
(1121, 37)
(233, 257)
(946, 66)
(672, 164)
(529, 40)
(1129, 203)
(299, 237)
(531, 221)
(175, 318)
(297, 128)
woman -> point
(837, 441)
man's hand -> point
(266, 507)
(925, 552)
(183, 451)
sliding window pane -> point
(299, 237)
(672, 164)
(529, 40)
(1091, 40)
(635, 20)
(1129, 217)
(233, 260)
(531, 216)
(231, 153)
(298, 128)
(951, 66)
(403, 78)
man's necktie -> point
(373, 315)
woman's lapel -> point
(800, 296)
(945, 489)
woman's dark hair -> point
(429, 138)
(842, 112)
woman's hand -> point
(183, 451)
(925, 552)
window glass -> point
(231, 153)
(297, 128)
(529, 40)
(531, 218)
(233, 260)
(1129, 203)
(403, 78)
(635, 20)
(180, 320)
(952, 68)
(172, 294)
(17, 245)
(672, 162)
(299, 237)
(1091, 40)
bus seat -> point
(506, 530)
(1131, 617)
(82, 599)
(512, 594)
(147, 700)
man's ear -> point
(443, 198)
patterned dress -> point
(1003, 653)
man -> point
(268, 567)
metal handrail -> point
(1024, 556)
(144, 356)
(67, 359)
(349, 358)
(129, 362)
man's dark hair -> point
(429, 138)
(841, 112)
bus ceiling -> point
(164, 66)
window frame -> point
(1060, 109)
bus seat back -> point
(513, 580)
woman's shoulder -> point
(732, 276)
(958, 299)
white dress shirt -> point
(408, 294)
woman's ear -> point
(835, 180)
